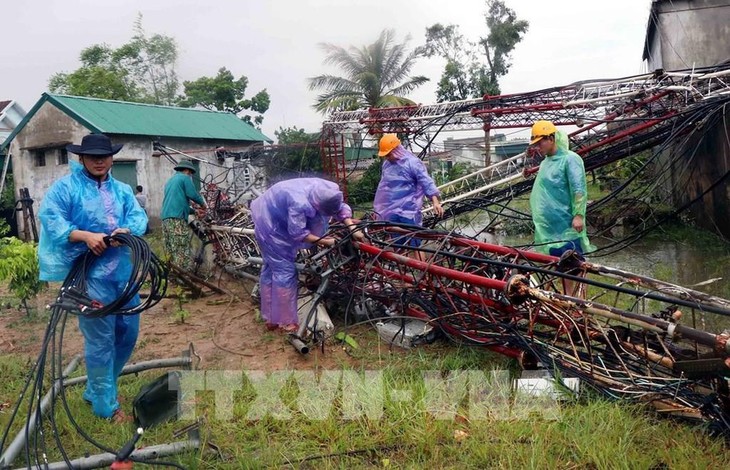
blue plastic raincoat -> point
(402, 186)
(283, 216)
(558, 195)
(78, 202)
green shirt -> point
(179, 190)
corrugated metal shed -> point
(125, 118)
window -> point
(39, 157)
(62, 157)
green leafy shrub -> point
(19, 267)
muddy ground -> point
(224, 330)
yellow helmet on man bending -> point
(542, 129)
(387, 143)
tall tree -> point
(375, 75)
(455, 83)
(474, 69)
(152, 61)
(142, 70)
(505, 31)
(226, 93)
(299, 150)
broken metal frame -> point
(516, 303)
(609, 113)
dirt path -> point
(224, 333)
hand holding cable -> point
(96, 242)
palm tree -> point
(376, 75)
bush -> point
(363, 190)
(19, 267)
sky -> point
(276, 43)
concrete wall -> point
(48, 129)
(708, 157)
(696, 33)
(690, 33)
(52, 129)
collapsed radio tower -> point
(626, 336)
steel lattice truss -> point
(628, 339)
(625, 335)
(615, 118)
(622, 334)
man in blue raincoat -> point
(77, 212)
(289, 216)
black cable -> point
(73, 298)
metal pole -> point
(13, 450)
(139, 367)
(15, 447)
(147, 454)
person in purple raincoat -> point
(404, 182)
(289, 216)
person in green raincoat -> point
(559, 194)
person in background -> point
(76, 214)
(142, 200)
(179, 193)
(289, 216)
(559, 195)
(403, 183)
(141, 197)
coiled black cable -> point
(73, 295)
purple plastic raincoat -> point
(402, 186)
(283, 216)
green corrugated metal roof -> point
(121, 117)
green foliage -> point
(7, 199)
(19, 267)
(466, 75)
(226, 93)
(347, 339)
(300, 150)
(456, 171)
(375, 75)
(363, 190)
(152, 61)
(505, 31)
(142, 70)
(628, 167)
(456, 82)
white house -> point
(37, 144)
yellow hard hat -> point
(542, 129)
(387, 143)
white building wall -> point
(51, 128)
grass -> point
(281, 421)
